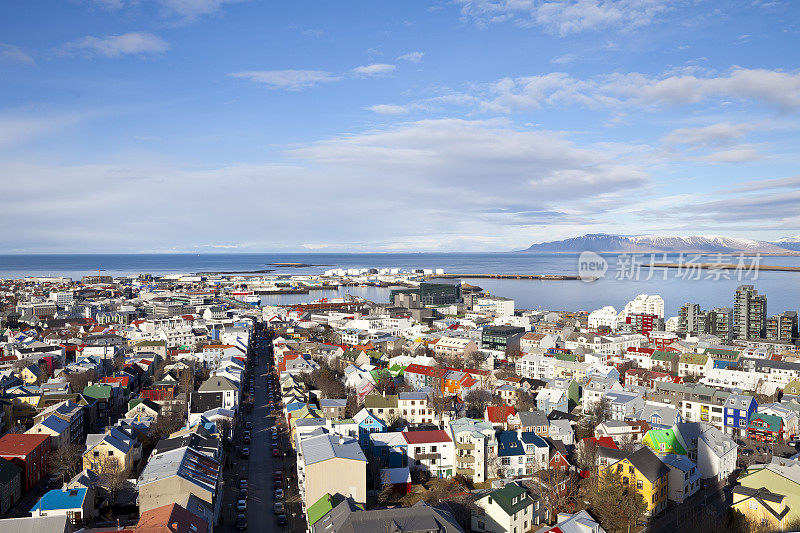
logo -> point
(591, 266)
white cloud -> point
(564, 17)
(413, 57)
(375, 69)
(293, 80)
(117, 45)
(712, 135)
(14, 54)
(192, 9)
(741, 154)
(386, 109)
(564, 59)
(111, 4)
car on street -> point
(241, 522)
(242, 494)
(245, 452)
(274, 436)
(246, 439)
(279, 474)
(241, 505)
(281, 519)
(278, 507)
(275, 452)
(278, 494)
(747, 452)
(278, 484)
(248, 425)
(242, 483)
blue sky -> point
(463, 125)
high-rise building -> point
(691, 319)
(783, 327)
(644, 304)
(719, 322)
(749, 313)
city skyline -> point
(473, 125)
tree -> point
(475, 359)
(439, 403)
(167, 422)
(526, 401)
(65, 461)
(599, 412)
(477, 400)
(186, 381)
(617, 506)
(351, 407)
(556, 489)
(80, 380)
(112, 477)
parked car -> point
(278, 484)
(248, 425)
(241, 522)
(747, 452)
(245, 452)
(242, 483)
(281, 519)
(275, 452)
(242, 494)
(278, 507)
(278, 494)
(279, 474)
(241, 505)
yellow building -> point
(761, 506)
(645, 471)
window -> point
(639, 484)
(753, 504)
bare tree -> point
(80, 380)
(351, 407)
(556, 488)
(599, 412)
(526, 401)
(112, 477)
(618, 506)
(477, 400)
(168, 422)
(66, 461)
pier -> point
(544, 277)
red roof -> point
(498, 414)
(468, 382)
(171, 518)
(424, 437)
(605, 442)
(636, 349)
(425, 370)
(20, 444)
(124, 380)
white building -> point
(643, 304)
(683, 479)
(496, 305)
(606, 316)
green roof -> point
(505, 498)
(656, 437)
(378, 401)
(151, 343)
(99, 392)
(566, 357)
(343, 421)
(149, 403)
(719, 351)
(694, 358)
(774, 422)
(322, 507)
(663, 356)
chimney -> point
(341, 440)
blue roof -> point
(509, 444)
(529, 437)
(58, 499)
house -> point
(71, 412)
(368, 423)
(501, 416)
(659, 415)
(31, 375)
(36, 524)
(622, 432)
(413, 408)
(56, 427)
(31, 452)
(511, 457)
(230, 391)
(561, 430)
(473, 441)
(552, 400)
(684, 478)
(537, 451)
(382, 406)
(664, 442)
(455, 347)
(694, 364)
(714, 452)
(10, 485)
(143, 407)
(738, 410)
(535, 421)
(178, 475)
(171, 518)
(643, 469)
(580, 522)
(331, 464)
(764, 428)
(782, 478)
(624, 405)
(333, 408)
(507, 510)
(431, 451)
(349, 517)
(762, 506)
(113, 451)
(388, 450)
(75, 504)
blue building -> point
(388, 450)
(511, 453)
(738, 409)
(367, 424)
(75, 503)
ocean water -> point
(617, 287)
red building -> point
(29, 451)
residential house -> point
(383, 406)
(113, 451)
(501, 416)
(229, 390)
(331, 464)
(170, 518)
(346, 516)
(10, 484)
(367, 424)
(333, 408)
(762, 506)
(781, 477)
(76, 504)
(31, 452)
(684, 478)
(548, 400)
(738, 410)
(56, 427)
(473, 441)
(624, 405)
(431, 451)
(714, 452)
(643, 470)
(414, 408)
(764, 428)
(510, 509)
(580, 522)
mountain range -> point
(604, 242)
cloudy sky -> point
(456, 125)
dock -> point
(723, 266)
(543, 277)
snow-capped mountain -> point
(603, 242)
(791, 243)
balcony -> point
(465, 446)
(465, 471)
(427, 456)
(465, 459)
